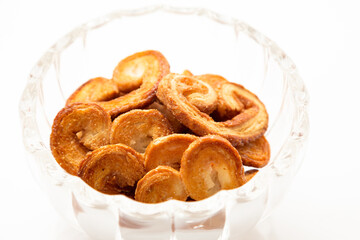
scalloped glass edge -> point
(293, 145)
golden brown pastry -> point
(160, 184)
(112, 169)
(175, 124)
(130, 72)
(77, 129)
(255, 153)
(167, 151)
(148, 104)
(214, 80)
(198, 93)
(253, 114)
(137, 128)
(187, 73)
(249, 174)
(210, 164)
(140, 74)
(228, 105)
(95, 90)
(248, 125)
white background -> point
(322, 38)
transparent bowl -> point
(197, 39)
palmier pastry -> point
(77, 129)
(112, 169)
(255, 153)
(175, 124)
(167, 151)
(210, 164)
(249, 174)
(137, 128)
(248, 125)
(160, 184)
(140, 74)
(95, 90)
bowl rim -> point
(299, 129)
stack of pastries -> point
(155, 135)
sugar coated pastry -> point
(167, 151)
(137, 128)
(214, 80)
(131, 72)
(210, 164)
(154, 135)
(255, 153)
(112, 169)
(228, 105)
(175, 124)
(161, 184)
(95, 90)
(140, 74)
(248, 125)
(198, 93)
(78, 129)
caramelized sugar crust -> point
(198, 93)
(225, 109)
(139, 75)
(161, 184)
(78, 129)
(214, 80)
(112, 169)
(95, 90)
(248, 125)
(167, 151)
(148, 104)
(175, 124)
(137, 128)
(255, 153)
(210, 164)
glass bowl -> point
(197, 39)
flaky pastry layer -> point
(167, 151)
(137, 128)
(112, 169)
(113, 157)
(140, 74)
(160, 184)
(210, 164)
(95, 90)
(176, 126)
(255, 153)
(214, 80)
(248, 125)
(78, 129)
(198, 93)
